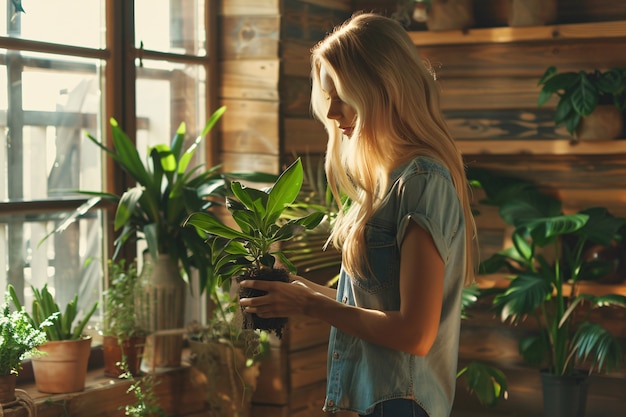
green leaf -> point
(594, 342)
(284, 192)
(525, 293)
(127, 206)
(213, 226)
(545, 230)
(486, 382)
(584, 98)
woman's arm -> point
(412, 329)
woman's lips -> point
(347, 130)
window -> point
(68, 67)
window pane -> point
(68, 262)
(51, 102)
(171, 26)
(168, 94)
(70, 22)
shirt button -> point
(331, 403)
(335, 355)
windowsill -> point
(180, 391)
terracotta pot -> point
(131, 349)
(161, 306)
(63, 366)
(606, 122)
(532, 12)
(7, 389)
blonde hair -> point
(377, 70)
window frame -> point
(120, 74)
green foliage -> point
(548, 254)
(46, 314)
(19, 339)
(167, 191)
(146, 403)
(120, 315)
(580, 92)
(258, 214)
(487, 383)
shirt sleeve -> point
(430, 200)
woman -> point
(406, 237)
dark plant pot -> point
(564, 396)
(7, 389)
(131, 349)
(252, 321)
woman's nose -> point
(334, 112)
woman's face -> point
(338, 110)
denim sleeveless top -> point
(362, 374)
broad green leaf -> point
(127, 206)
(585, 97)
(213, 226)
(253, 199)
(284, 192)
(486, 382)
(525, 293)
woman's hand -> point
(282, 299)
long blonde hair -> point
(377, 70)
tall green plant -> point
(62, 324)
(537, 289)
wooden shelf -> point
(486, 281)
(542, 147)
(578, 31)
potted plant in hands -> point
(123, 336)
(545, 286)
(63, 366)
(590, 104)
(251, 252)
(19, 340)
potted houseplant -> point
(19, 340)
(251, 252)
(123, 335)
(62, 367)
(590, 104)
(544, 285)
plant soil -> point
(252, 321)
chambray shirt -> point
(362, 374)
